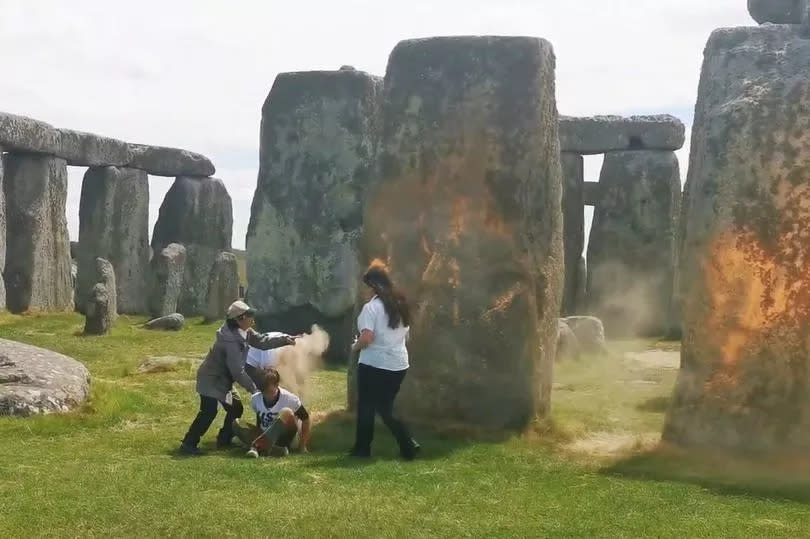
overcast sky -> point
(194, 73)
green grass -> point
(110, 468)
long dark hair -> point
(394, 301)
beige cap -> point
(238, 308)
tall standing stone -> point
(317, 152)
(197, 213)
(114, 224)
(37, 271)
(467, 214)
(745, 355)
(223, 286)
(573, 207)
(631, 252)
(166, 271)
(2, 234)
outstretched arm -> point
(268, 341)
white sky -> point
(194, 73)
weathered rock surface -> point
(223, 286)
(467, 214)
(633, 243)
(592, 192)
(573, 205)
(25, 134)
(590, 333)
(89, 150)
(743, 382)
(2, 234)
(780, 11)
(101, 308)
(166, 271)
(317, 153)
(37, 381)
(600, 134)
(172, 322)
(198, 214)
(37, 271)
(162, 161)
(567, 342)
(580, 300)
(114, 224)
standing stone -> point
(198, 214)
(468, 215)
(317, 153)
(114, 224)
(580, 296)
(166, 280)
(745, 356)
(223, 286)
(101, 309)
(2, 234)
(37, 271)
(573, 207)
(631, 252)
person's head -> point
(270, 381)
(379, 280)
(240, 315)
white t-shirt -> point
(265, 415)
(387, 351)
(262, 359)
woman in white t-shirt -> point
(383, 324)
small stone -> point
(567, 342)
(101, 308)
(590, 333)
(172, 322)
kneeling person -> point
(280, 417)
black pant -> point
(376, 391)
(206, 415)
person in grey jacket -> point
(224, 365)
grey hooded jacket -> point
(225, 363)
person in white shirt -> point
(280, 417)
(383, 363)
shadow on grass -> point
(654, 404)
(785, 477)
(334, 436)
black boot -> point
(411, 450)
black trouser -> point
(206, 415)
(376, 391)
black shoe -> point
(354, 453)
(411, 451)
(190, 450)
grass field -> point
(110, 469)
